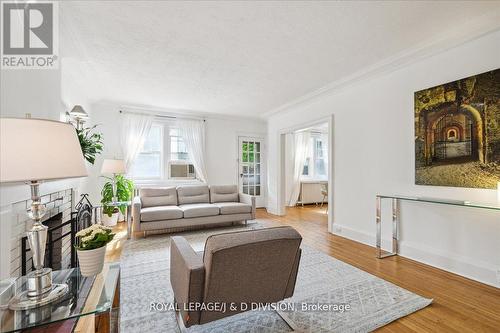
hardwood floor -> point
(460, 304)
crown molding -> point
(449, 39)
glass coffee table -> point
(89, 305)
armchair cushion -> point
(227, 208)
(158, 196)
(159, 213)
(250, 266)
(190, 194)
(224, 193)
(199, 209)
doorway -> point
(305, 175)
(251, 167)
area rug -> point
(322, 281)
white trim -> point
(455, 37)
(450, 262)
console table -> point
(395, 215)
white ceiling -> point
(239, 58)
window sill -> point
(314, 180)
(165, 182)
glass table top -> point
(492, 206)
(74, 304)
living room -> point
(319, 166)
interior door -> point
(251, 168)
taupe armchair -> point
(255, 266)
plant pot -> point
(110, 221)
(91, 261)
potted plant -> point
(124, 191)
(91, 248)
(91, 143)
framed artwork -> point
(457, 133)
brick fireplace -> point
(59, 206)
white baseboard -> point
(464, 266)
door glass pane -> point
(250, 167)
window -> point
(178, 150)
(315, 163)
(163, 156)
(148, 164)
(319, 158)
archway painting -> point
(457, 133)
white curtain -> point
(301, 149)
(326, 143)
(193, 134)
(135, 128)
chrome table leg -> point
(395, 225)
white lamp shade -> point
(78, 111)
(113, 166)
(39, 149)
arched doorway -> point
(453, 133)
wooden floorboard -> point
(460, 304)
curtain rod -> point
(161, 116)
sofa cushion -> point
(227, 208)
(191, 194)
(158, 196)
(224, 193)
(199, 210)
(159, 213)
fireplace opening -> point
(58, 251)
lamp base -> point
(25, 302)
(39, 282)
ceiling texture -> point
(242, 58)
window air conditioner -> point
(181, 170)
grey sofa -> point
(190, 206)
(243, 268)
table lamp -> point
(114, 167)
(79, 114)
(33, 150)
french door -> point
(251, 168)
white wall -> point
(381, 160)
(34, 91)
(221, 144)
